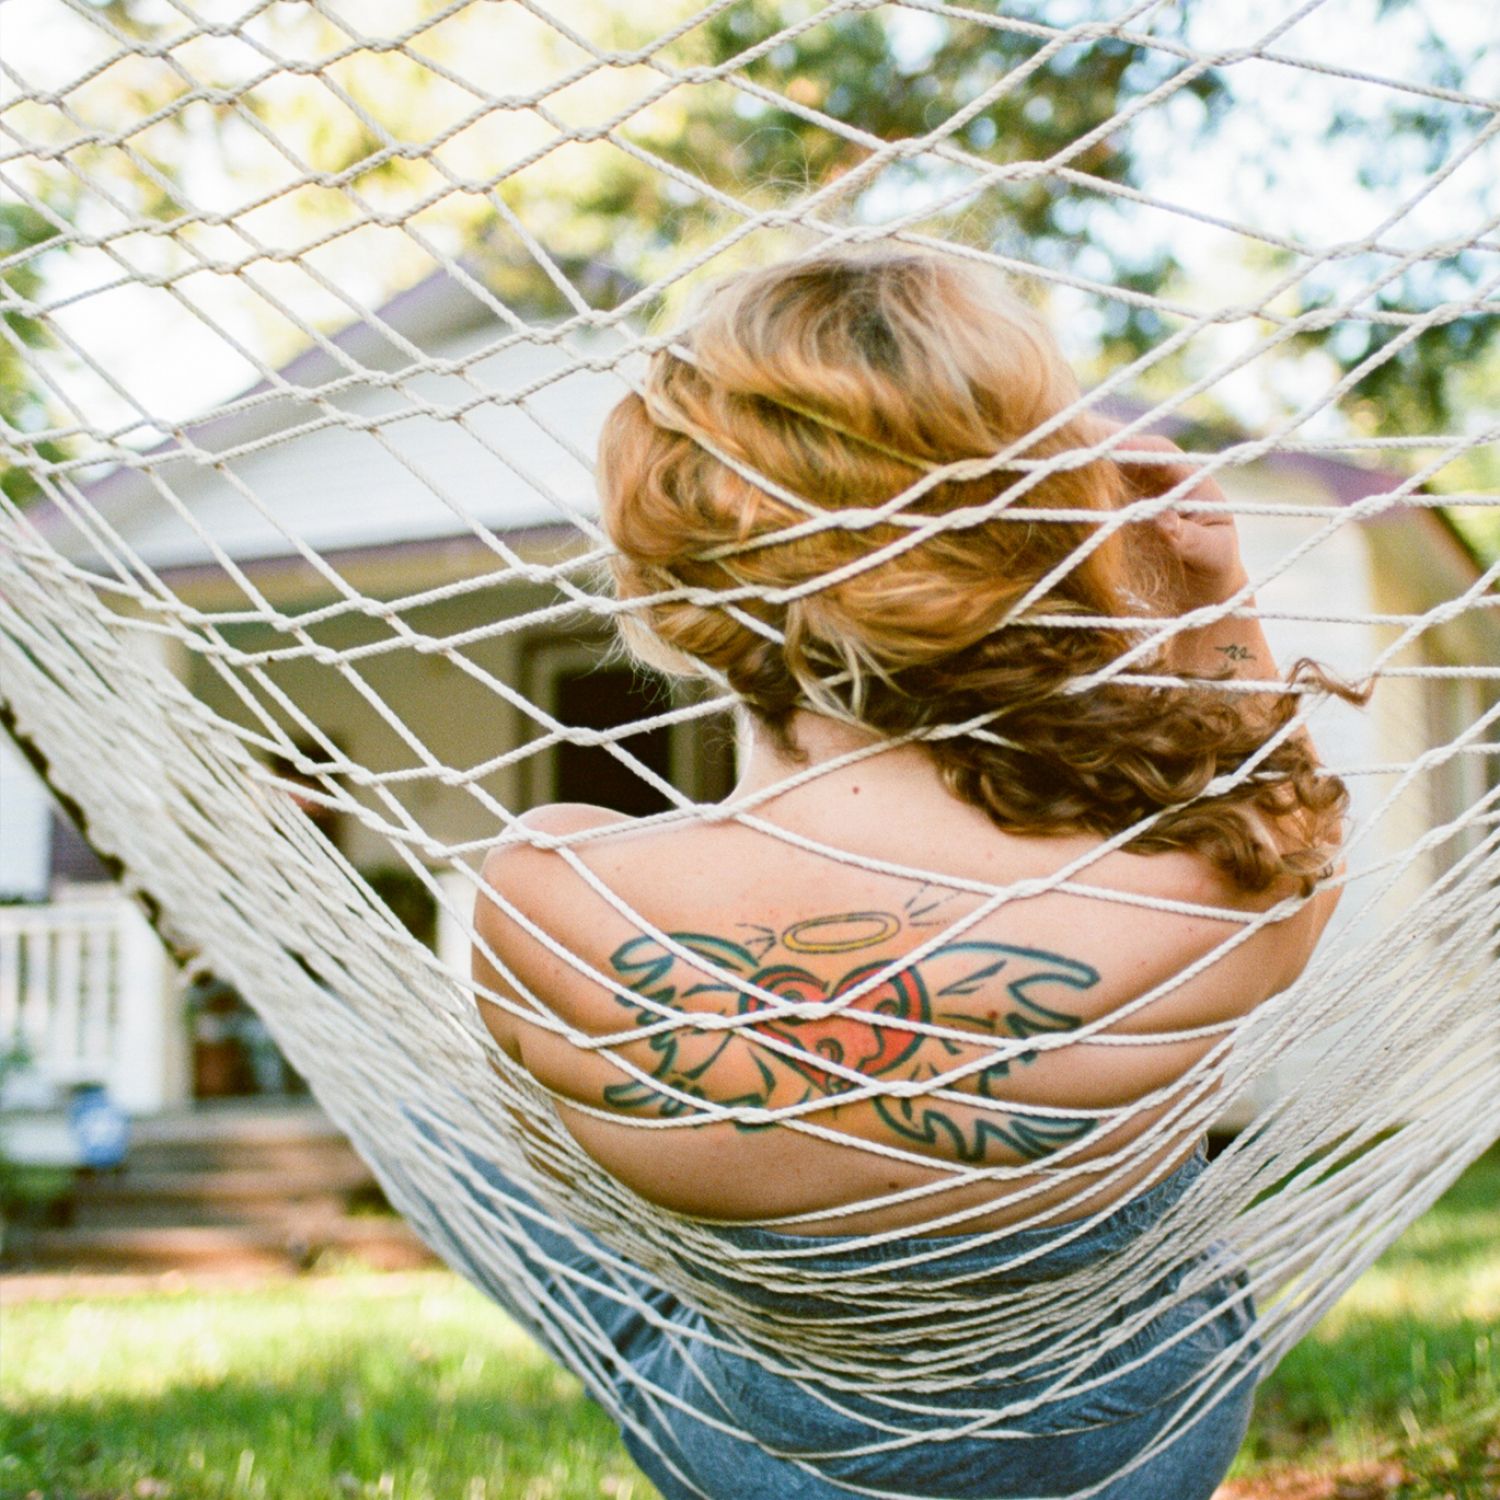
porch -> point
(90, 996)
(225, 1188)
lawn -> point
(1403, 1376)
(411, 1387)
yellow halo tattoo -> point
(877, 925)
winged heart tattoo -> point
(998, 992)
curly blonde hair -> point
(739, 488)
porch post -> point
(149, 1070)
(453, 942)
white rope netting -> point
(312, 315)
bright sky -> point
(173, 366)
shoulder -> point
(1177, 876)
(535, 834)
(524, 860)
(524, 885)
(539, 827)
(1213, 906)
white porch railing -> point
(84, 989)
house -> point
(343, 479)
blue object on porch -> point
(100, 1127)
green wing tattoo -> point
(825, 1056)
(1023, 976)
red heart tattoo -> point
(844, 1038)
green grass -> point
(415, 1388)
(1407, 1366)
(330, 1387)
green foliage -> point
(1480, 529)
(755, 148)
(1406, 1368)
(27, 1191)
(13, 1059)
(409, 899)
(25, 234)
(758, 147)
(681, 167)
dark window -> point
(602, 698)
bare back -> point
(940, 1033)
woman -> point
(958, 953)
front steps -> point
(237, 1188)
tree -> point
(367, 160)
(24, 237)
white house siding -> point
(1436, 712)
(1399, 564)
(25, 826)
(457, 717)
(1424, 717)
(458, 720)
(1333, 578)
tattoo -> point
(760, 940)
(997, 990)
(920, 906)
(1236, 652)
(1029, 1137)
(840, 934)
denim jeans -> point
(704, 1418)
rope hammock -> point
(317, 327)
